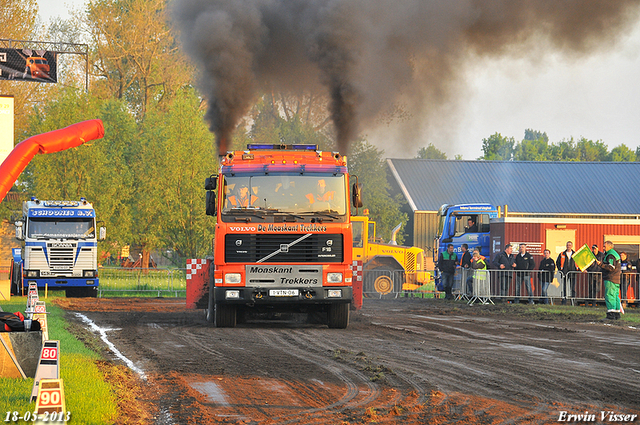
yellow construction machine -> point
(386, 267)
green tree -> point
(270, 126)
(531, 150)
(135, 55)
(278, 118)
(175, 155)
(622, 153)
(565, 150)
(431, 152)
(530, 134)
(498, 147)
(588, 150)
(97, 170)
(534, 147)
(367, 162)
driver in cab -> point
(241, 197)
(321, 194)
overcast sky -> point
(597, 97)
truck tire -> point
(91, 292)
(383, 282)
(338, 316)
(225, 315)
(81, 292)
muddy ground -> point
(399, 361)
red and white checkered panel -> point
(357, 270)
(193, 265)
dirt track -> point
(403, 361)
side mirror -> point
(102, 234)
(356, 195)
(211, 203)
(210, 183)
(19, 228)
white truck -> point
(59, 249)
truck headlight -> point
(232, 278)
(32, 273)
(89, 273)
(334, 277)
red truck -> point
(283, 238)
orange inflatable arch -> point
(53, 141)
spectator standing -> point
(505, 262)
(524, 262)
(465, 264)
(627, 268)
(566, 264)
(465, 260)
(447, 262)
(479, 266)
(611, 272)
(595, 276)
(548, 270)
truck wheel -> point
(224, 315)
(338, 316)
(91, 292)
(81, 292)
(382, 281)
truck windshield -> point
(72, 228)
(309, 194)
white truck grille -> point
(61, 258)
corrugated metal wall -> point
(425, 224)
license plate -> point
(283, 292)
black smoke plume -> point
(372, 55)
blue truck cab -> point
(59, 247)
(464, 224)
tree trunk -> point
(145, 259)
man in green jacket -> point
(611, 275)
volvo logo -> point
(329, 242)
(284, 247)
(238, 242)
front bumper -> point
(262, 296)
(62, 282)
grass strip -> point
(88, 397)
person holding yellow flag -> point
(611, 272)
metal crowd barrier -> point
(534, 286)
(590, 287)
(487, 286)
(125, 282)
(382, 283)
